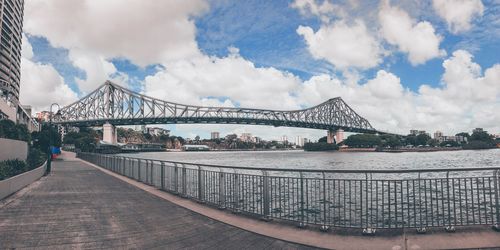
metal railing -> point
(365, 199)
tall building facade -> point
(11, 26)
(214, 135)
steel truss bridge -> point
(116, 105)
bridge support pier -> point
(109, 133)
(335, 136)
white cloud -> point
(458, 14)
(26, 48)
(418, 40)
(233, 77)
(316, 8)
(41, 85)
(466, 99)
(343, 45)
(144, 31)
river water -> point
(335, 160)
(340, 199)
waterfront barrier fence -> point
(364, 199)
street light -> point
(49, 151)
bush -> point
(36, 158)
(14, 167)
(478, 145)
(320, 146)
(11, 168)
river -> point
(335, 160)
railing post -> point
(302, 223)
(184, 181)
(325, 227)
(236, 190)
(449, 228)
(176, 179)
(367, 230)
(151, 173)
(162, 175)
(266, 196)
(420, 229)
(139, 169)
(200, 185)
(496, 226)
(222, 184)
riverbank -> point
(429, 149)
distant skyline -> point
(427, 65)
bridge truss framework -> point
(116, 105)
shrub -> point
(478, 145)
(11, 168)
(36, 158)
(320, 146)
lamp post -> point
(49, 151)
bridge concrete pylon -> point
(109, 133)
(335, 136)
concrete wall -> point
(8, 110)
(13, 149)
(16, 183)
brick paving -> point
(78, 206)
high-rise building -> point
(438, 134)
(214, 135)
(246, 137)
(299, 141)
(284, 139)
(11, 26)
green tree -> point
(464, 134)
(47, 134)
(392, 141)
(363, 141)
(320, 146)
(481, 136)
(85, 140)
(9, 129)
(449, 144)
(433, 142)
(322, 139)
(422, 139)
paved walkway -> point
(78, 206)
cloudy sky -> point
(431, 64)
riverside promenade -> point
(80, 205)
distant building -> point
(438, 134)
(11, 26)
(298, 141)
(195, 148)
(246, 137)
(257, 139)
(284, 139)
(214, 135)
(413, 132)
(455, 138)
(157, 131)
(43, 116)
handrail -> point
(327, 201)
(344, 171)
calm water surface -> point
(335, 160)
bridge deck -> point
(78, 206)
